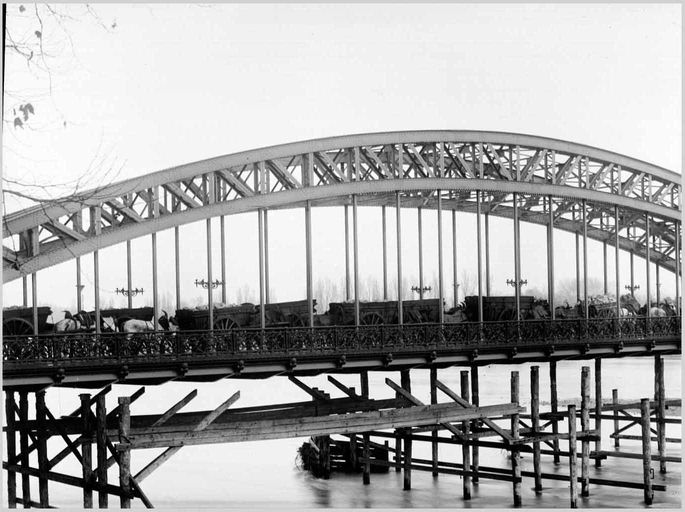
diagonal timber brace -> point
(494, 426)
(206, 421)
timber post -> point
(398, 437)
(660, 411)
(572, 456)
(646, 451)
(475, 400)
(42, 442)
(554, 407)
(86, 451)
(598, 410)
(24, 448)
(585, 427)
(354, 460)
(364, 377)
(405, 380)
(465, 449)
(10, 406)
(614, 403)
(101, 446)
(535, 415)
(515, 466)
(325, 456)
(434, 432)
(124, 450)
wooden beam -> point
(646, 453)
(515, 456)
(585, 425)
(174, 409)
(406, 394)
(43, 435)
(494, 426)
(366, 471)
(315, 393)
(348, 391)
(206, 421)
(86, 460)
(11, 444)
(465, 451)
(312, 426)
(63, 479)
(24, 444)
(101, 446)
(124, 451)
(112, 416)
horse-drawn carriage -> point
(279, 314)
(503, 308)
(18, 321)
(382, 312)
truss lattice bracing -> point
(374, 166)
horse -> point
(455, 316)
(69, 324)
(539, 311)
(135, 325)
(629, 302)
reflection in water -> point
(319, 488)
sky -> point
(145, 87)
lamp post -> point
(208, 284)
(421, 290)
(128, 292)
(522, 282)
(632, 289)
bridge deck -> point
(92, 360)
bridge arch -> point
(550, 178)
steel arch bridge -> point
(373, 166)
(630, 204)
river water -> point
(266, 474)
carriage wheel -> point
(224, 324)
(295, 320)
(372, 319)
(16, 327)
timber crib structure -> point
(625, 204)
(364, 421)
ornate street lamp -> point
(129, 292)
(421, 290)
(522, 282)
(211, 284)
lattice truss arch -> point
(420, 165)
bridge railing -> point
(382, 339)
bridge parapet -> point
(79, 353)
